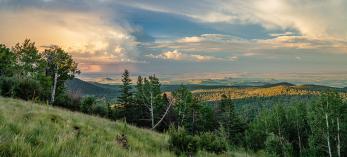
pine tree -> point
(230, 121)
(126, 96)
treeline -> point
(314, 126)
(29, 74)
(193, 125)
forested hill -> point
(89, 88)
(264, 91)
(207, 92)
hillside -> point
(90, 88)
(35, 130)
(281, 89)
(29, 129)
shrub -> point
(182, 143)
(87, 104)
(69, 101)
(277, 146)
(213, 143)
(100, 109)
(7, 86)
(28, 89)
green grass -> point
(28, 129)
(32, 130)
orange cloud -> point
(90, 68)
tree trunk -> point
(338, 138)
(328, 136)
(152, 110)
(298, 132)
(193, 122)
(162, 118)
(280, 134)
(327, 125)
(54, 87)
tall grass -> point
(28, 129)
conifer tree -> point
(126, 96)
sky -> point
(185, 36)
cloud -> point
(193, 39)
(312, 18)
(90, 68)
(88, 36)
(109, 35)
(178, 56)
(301, 42)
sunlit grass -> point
(38, 130)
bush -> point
(92, 105)
(213, 143)
(7, 86)
(182, 143)
(87, 104)
(28, 89)
(277, 146)
(69, 101)
(100, 109)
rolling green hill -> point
(29, 129)
(282, 89)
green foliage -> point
(94, 105)
(150, 102)
(61, 63)
(68, 100)
(7, 86)
(8, 60)
(25, 88)
(327, 120)
(29, 89)
(184, 99)
(213, 142)
(125, 97)
(32, 72)
(277, 146)
(231, 121)
(29, 61)
(183, 143)
(88, 104)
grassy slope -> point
(35, 130)
(28, 129)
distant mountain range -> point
(112, 91)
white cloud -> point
(193, 39)
(178, 56)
